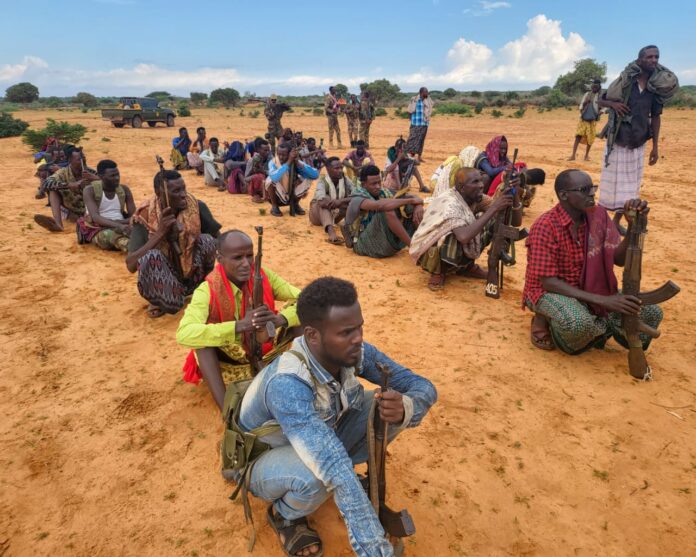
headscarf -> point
(493, 150)
(235, 152)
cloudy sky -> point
(112, 47)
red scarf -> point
(222, 308)
(493, 150)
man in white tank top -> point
(108, 208)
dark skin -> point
(217, 157)
(648, 63)
(84, 178)
(575, 203)
(236, 255)
(595, 89)
(111, 179)
(285, 156)
(360, 151)
(178, 202)
(373, 185)
(335, 172)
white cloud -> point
(687, 75)
(539, 56)
(485, 7)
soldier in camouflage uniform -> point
(367, 114)
(331, 108)
(273, 113)
(353, 117)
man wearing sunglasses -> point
(570, 283)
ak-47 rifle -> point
(173, 234)
(502, 250)
(257, 338)
(632, 324)
(397, 524)
(292, 175)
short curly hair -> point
(320, 295)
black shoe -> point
(276, 212)
(299, 210)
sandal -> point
(153, 312)
(297, 534)
(336, 241)
(347, 236)
(436, 282)
(48, 223)
(541, 338)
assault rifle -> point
(396, 524)
(173, 234)
(502, 250)
(256, 339)
(292, 175)
(632, 324)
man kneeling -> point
(217, 323)
(312, 392)
(571, 288)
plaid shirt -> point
(417, 116)
(552, 251)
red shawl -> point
(493, 150)
(499, 178)
(222, 308)
(601, 240)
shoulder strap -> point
(98, 192)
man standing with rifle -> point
(274, 113)
(229, 322)
(570, 283)
(313, 394)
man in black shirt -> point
(171, 245)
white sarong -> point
(620, 181)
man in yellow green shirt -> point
(216, 325)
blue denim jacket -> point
(308, 403)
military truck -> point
(136, 110)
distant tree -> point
(479, 108)
(22, 93)
(227, 97)
(199, 98)
(341, 90)
(574, 82)
(159, 95)
(557, 99)
(449, 92)
(475, 94)
(85, 99)
(511, 95)
(52, 102)
(381, 90)
(541, 91)
(11, 127)
(183, 109)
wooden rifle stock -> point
(632, 325)
(257, 338)
(397, 524)
(502, 250)
(173, 234)
(292, 174)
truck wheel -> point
(137, 122)
(118, 124)
(152, 124)
(170, 121)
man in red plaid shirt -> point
(570, 283)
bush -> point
(402, 113)
(519, 113)
(380, 112)
(500, 103)
(318, 111)
(254, 114)
(183, 109)
(84, 110)
(53, 102)
(85, 99)
(11, 127)
(451, 108)
(62, 131)
(449, 92)
(475, 94)
(496, 114)
(226, 96)
(556, 99)
(478, 109)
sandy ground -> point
(106, 452)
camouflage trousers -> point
(364, 133)
(334, 128)
(353, 127)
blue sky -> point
(136, 46)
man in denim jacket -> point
(313, 393)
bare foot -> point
(571, 158)
(586, 159)
(540, 335)
(437, 281)
(475, 271)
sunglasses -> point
(587, 190)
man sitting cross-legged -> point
(457, 226)
(377, 224)
(570, 283)
(217, 323)
(313, 393)
(213, 158)
(186, 222)
(331, 199)
(109, 206)
(278, 182)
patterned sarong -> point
(620, 180)
(586, 131)
(416, 139)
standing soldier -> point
(352, 110)
(273, 113)
(331, 108)
(367, 114)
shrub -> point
(449, 92)
(556, 99)
(519, 113)
(183, 109)
(452, 108)
(85, 99)
(226, 96)
(317, 112)
(500, 103)
(402, 113)
(63, 131)
(478, 109)
(254, 114)
(380, 112)
(496, 114)
(11, 127)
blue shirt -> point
(307, 403)
(417, 115)
(275, 172)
